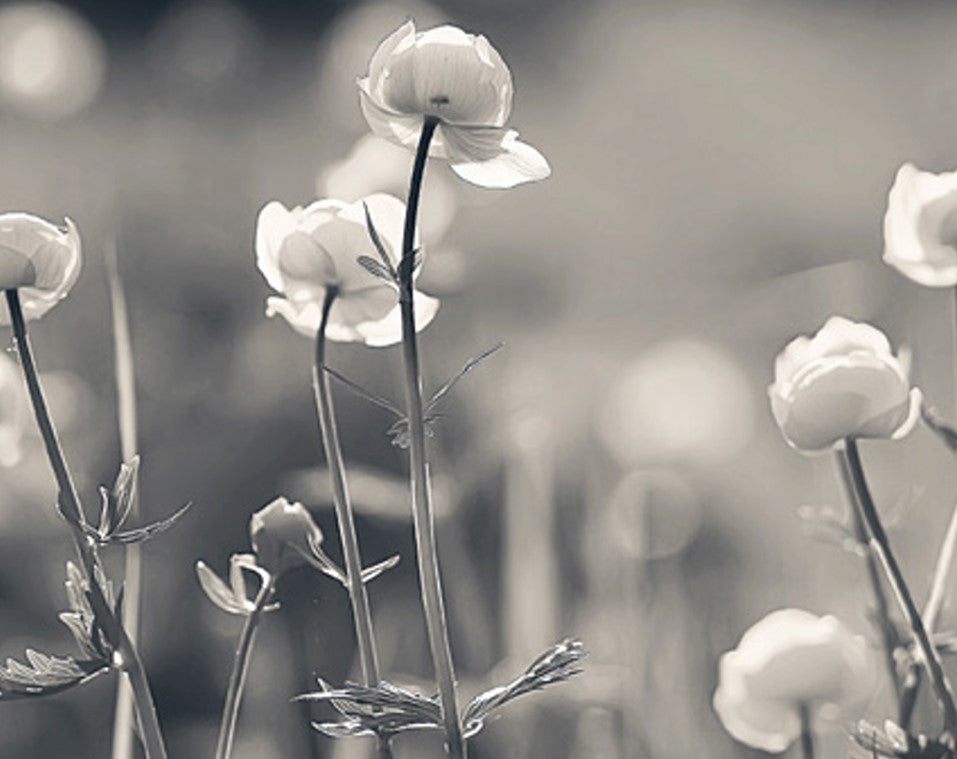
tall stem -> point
(881, 546)
(881, 613)
(430, 583)
(123, 734)
(237, 678)
(358, 597)
(807, 734)
(69, 500)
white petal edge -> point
(515, 163)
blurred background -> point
(720, 171)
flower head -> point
(788, 660)
(920, 226)
(304, 252)
(283, 535)
(843, 383)
(39, 259)
(461, 81)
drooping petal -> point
(492, 157)
(303, 317)
(388, 331)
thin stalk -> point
(807, 734)
(423, 517)
(123, 735)
(358, 597)
(128, 656)
(881, 612)
(237, 678)
(881, 547)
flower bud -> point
(789, 660)
(38, 259)
(843, 383)
(280, 533)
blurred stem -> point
(880, 614)
(86, 548)
(358, 597)
(237, 678)
(807, 734)
(423, 517)
(881, 546)
(132, 574)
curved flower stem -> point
(807, 734)
(881, 547)
(128, 657)
(430, 582)
(881, 613)
(358, 597)
(237, 678)
(123, 733)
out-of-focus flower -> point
(38, 259)
(283, 535)
(920, 226)
(233, 598)
(52, 62)
(681, 401)
(843, 383)
(305, 251)
(13, 411)
(788, 660)
(377, 165)
(461, 80)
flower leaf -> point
(148, 531)
(370, 573)
(375, 268)
(469, 366)
(45, 674)
(363, 393)
(380, 248)
(118, 502)
(558, 663)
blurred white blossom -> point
(844, 382)
(38, 259)
(305, 251)
(462, 81)
(790, 659)
(52, 62)
(920, 226)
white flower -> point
(788, 660)
(920, 226)
(462, 81)
(38, 259)
(843, 383)
(304, 251)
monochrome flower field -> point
(399, 381)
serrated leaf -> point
(362, 392)
(45, 674)
(118, 502)
(555, 665)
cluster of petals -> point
(304, 252)
(789, 661)
(39, 260)
(461, 81)
(844, 382)
(920, 226)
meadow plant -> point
(793, 672)
(341, 271)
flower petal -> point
(388, 331)
(274, 225)
(493, 157)
(216, 590)
(402, 129)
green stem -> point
(881, 612)
(430, 583)
(86, 548)
(237, 678)
(807, 734)
(358, 597)
(882, 548)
